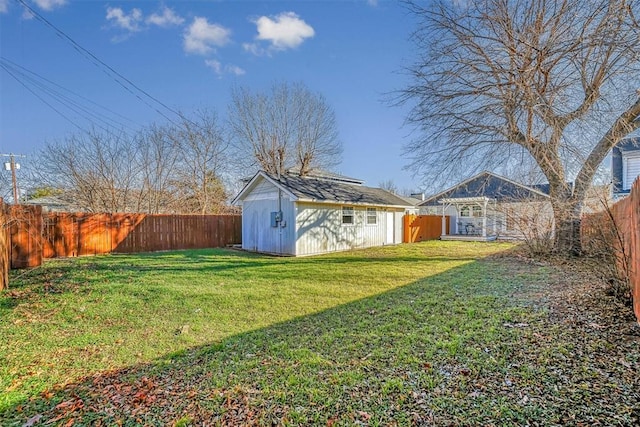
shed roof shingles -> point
(322, 190)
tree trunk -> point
(567, 218)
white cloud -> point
(168, 18)
(214, 65)
(219, 69)
(284, 31)
(254, 48)
(201, 37)
(129, 22)
(4, 6)
(50, 4)
(234, 69)
(373, 3)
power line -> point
(33, 81)
(27, 71)
(108, 70)
(41, 98)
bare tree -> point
(504, 81)
(98, 171)
(175, 168)
(203, 161)
(287, 127)
(159, 156)
(389, 185)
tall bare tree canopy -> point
(499, 81)
(175, 168)
(287, 127)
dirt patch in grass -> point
(500, 341)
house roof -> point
(316, 173)
(52, 203)
(322, 189)
(413, 201)
(490, 185)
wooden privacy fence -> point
(423, 227)
(4, 248)
(36, 236)
(24, 225)
(619, 227)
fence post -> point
(4, 248)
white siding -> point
(319, 229)
(631, 169)
(264, 190)
(257, 233)
(525, 220)
(398, 222)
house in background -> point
(317, 213)
(489, 206)
(413, 200)
(625, 166)
(52, 204)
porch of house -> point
(468, 238)
(473, 219)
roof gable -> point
(487, 184)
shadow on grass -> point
(450, 349)
(412, 355)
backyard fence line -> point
(619, 226)
(418, 228)
(35, 235)
(24, 224)
(4, 248)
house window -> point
(471, 210)
(372, 216)
(631, 169)
(347, 215)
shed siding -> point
(264, 190)
(398, 224)
(319, 229)
(257, 233)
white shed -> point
(317, 213)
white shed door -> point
(390, 228)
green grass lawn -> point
(411, 334)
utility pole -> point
(12, 166)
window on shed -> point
(347, 215)
(465, 211)
(372, 216)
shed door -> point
(390, 228)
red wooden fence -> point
(25, 235)
(620, 227)
(35, 235)
(4, 247)
(422, 227)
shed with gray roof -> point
(317, 213)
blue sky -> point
(189, 54)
